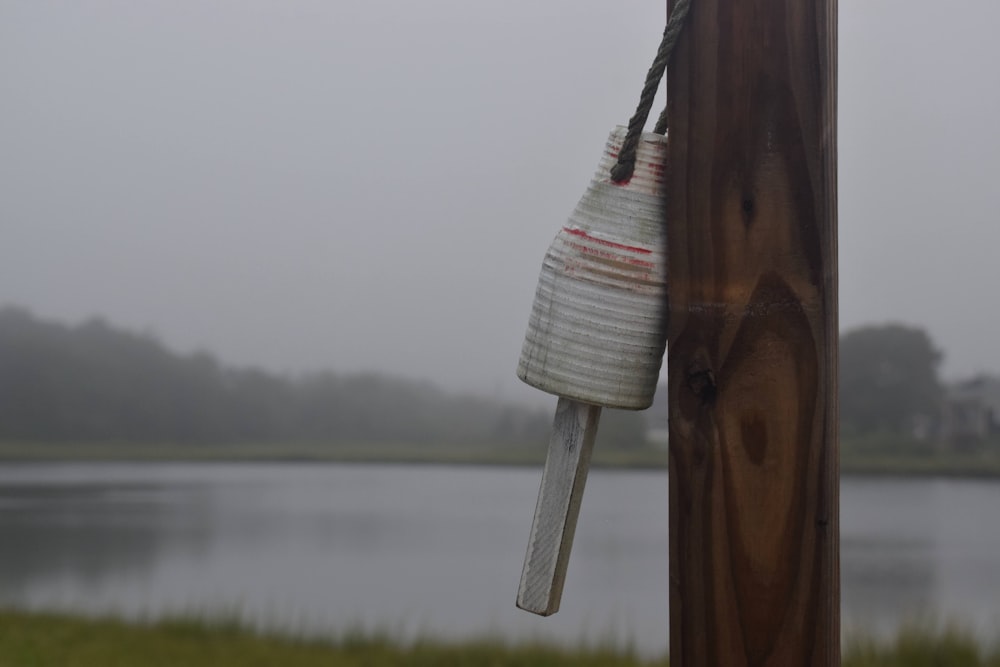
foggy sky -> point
(371, 185)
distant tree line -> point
(95, 383)
(889, 381)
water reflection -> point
(95, 532)
(436, 549)
(882, 579)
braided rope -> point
(625, 167)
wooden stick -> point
(573, 431)
(752, 362)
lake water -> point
(436, 550)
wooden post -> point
(752, 360)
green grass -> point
(511, 455)
(920, 645)
(51, 640)
(923, 466)
(858, 456)
(376, 452)
(56, 640)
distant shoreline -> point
(977, 465)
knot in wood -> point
(701, 382)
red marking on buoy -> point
(620, 260)
(611, 244)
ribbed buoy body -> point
(597, 328)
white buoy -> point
(596, 332)
(596, 337)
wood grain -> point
(563, 479)
(752, 361)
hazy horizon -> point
(371, 186)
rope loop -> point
(623, 170)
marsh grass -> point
(867, 457)
(51, 640)
(923, 644)
(30, 639)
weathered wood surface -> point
(752, 361)
(563, 478)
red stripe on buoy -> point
(611, 256)
(611, 244)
